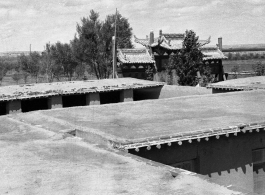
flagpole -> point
(114, 48)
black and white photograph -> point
(119, 97)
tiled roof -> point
(212, 53)
(134, 56)
(168, 41)
(173, 44)
(174, 36)
(144, 42)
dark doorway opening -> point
(74, 100)
(34, 104)
(109, 97)
(146, 93)
(3, 108)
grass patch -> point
(243, 65)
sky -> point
(37, 22)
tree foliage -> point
(230, 56)
(123, 30)
(93, 42)
(188, 62)
(149, 72)
(90, 50)
(3, 70)
(48, 64)
(31, 64)
(235, 71)
(65, 61)
(16, 77)
(259, 69)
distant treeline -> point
(244, 56)
(89, 51)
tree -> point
(259, 69)
(80, 70)
(3, 70)
(88, 45)
(149, 72)
(230, 56)
(206, 75)
(92, 44)
(251, 56)
(25, 76)
(237, 56)
(123, 30)
(64, 59)
(188, 62)
(31, 64)
(256, 56)
(235, 71)
(16, 77)
(48, 64)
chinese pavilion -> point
(134, 62)
(158, 51)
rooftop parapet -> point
(28, 91)
(246, 84)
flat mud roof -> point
(72, 87)
(37, 160)
(248, 83)
(139, 124)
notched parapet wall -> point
(224, 155)
(224, 90)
